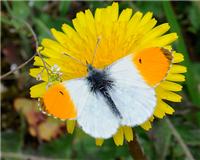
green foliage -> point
(61, 147)
(175, 27)
(64, 7)
(194, 13)
(20, 9)
(163, 138)
(11, 141)
(155, 7)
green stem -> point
(175, 27)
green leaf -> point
(153, 6)
(190, 135)
(197, 116)
(194, 14)
(42, 29)
(38, 4)
(64, 7)
(163, 137)
(20, 9)
(4, 19)
(59, 148)
(196, 71)
(178, 153)
(11, 141)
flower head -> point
(118, 36)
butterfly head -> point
(90, 68)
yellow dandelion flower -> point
(97, 43)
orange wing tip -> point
(58, 103)
(153, 64)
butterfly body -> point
(101, 83)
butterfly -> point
(122, 93)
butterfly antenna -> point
(75, 59)
(95, 50)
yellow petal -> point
(71, 33)
(150, 25)
(125, 15)
(98, 14)
(146, 125)
(119, 137)
(37, 61)
(159, 113)
(178, 57)
(146, 18)
(169, 48)
(151, 118)
(164, 40)
(38, 90)
(128, 133)
(142, 31)
(70, 126)
(53, 45)
(47, 52)
(59, 36)
(64, 40)
(160, 30)
(79, 24)
(99, 141)
(35, 72)
(178, 69)
(175, 77)
(114, 11)
(170, 86)
(165, 107)
(91, 28)
(133, 23)
(164, 94)
(39, 49)
(156, 32)
(162, 108)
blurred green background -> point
(27, 134)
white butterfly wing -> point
(94, 114)
(133, 97)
